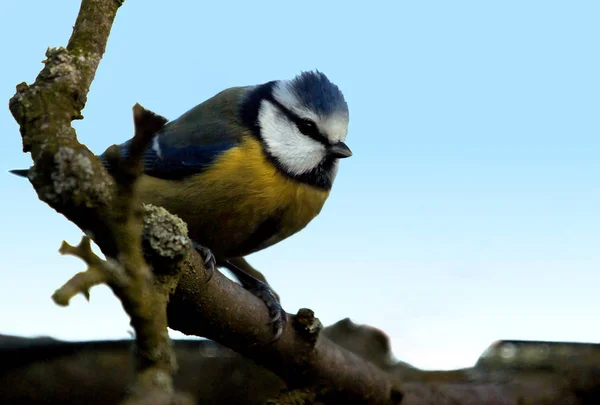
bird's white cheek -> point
(300, 158)
(296, 152)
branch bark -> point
(66, 175)
(70, 178)
(223, 311)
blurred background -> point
(470, 211)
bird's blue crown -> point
(315, 90)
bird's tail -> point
(20, 172)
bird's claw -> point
(278, 317)
(210, 262)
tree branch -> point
(68, 177)
(66, 174)
(223, 311)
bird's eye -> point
(307, 127)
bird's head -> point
(302, 124)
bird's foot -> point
(209, 259)
(261, 289)
(278, 317)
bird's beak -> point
(340, 150)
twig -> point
(98, 272)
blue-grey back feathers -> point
(315, 91)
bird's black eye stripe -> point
(306, 126)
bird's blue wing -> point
(165, 160)
(190, 144)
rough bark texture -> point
(66, 174)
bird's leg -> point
(262, 290)
(209, 259)
(239, 263)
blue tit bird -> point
(248, 168)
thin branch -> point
(98, 272)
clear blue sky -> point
(470, 211)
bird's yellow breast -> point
(227, 204)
